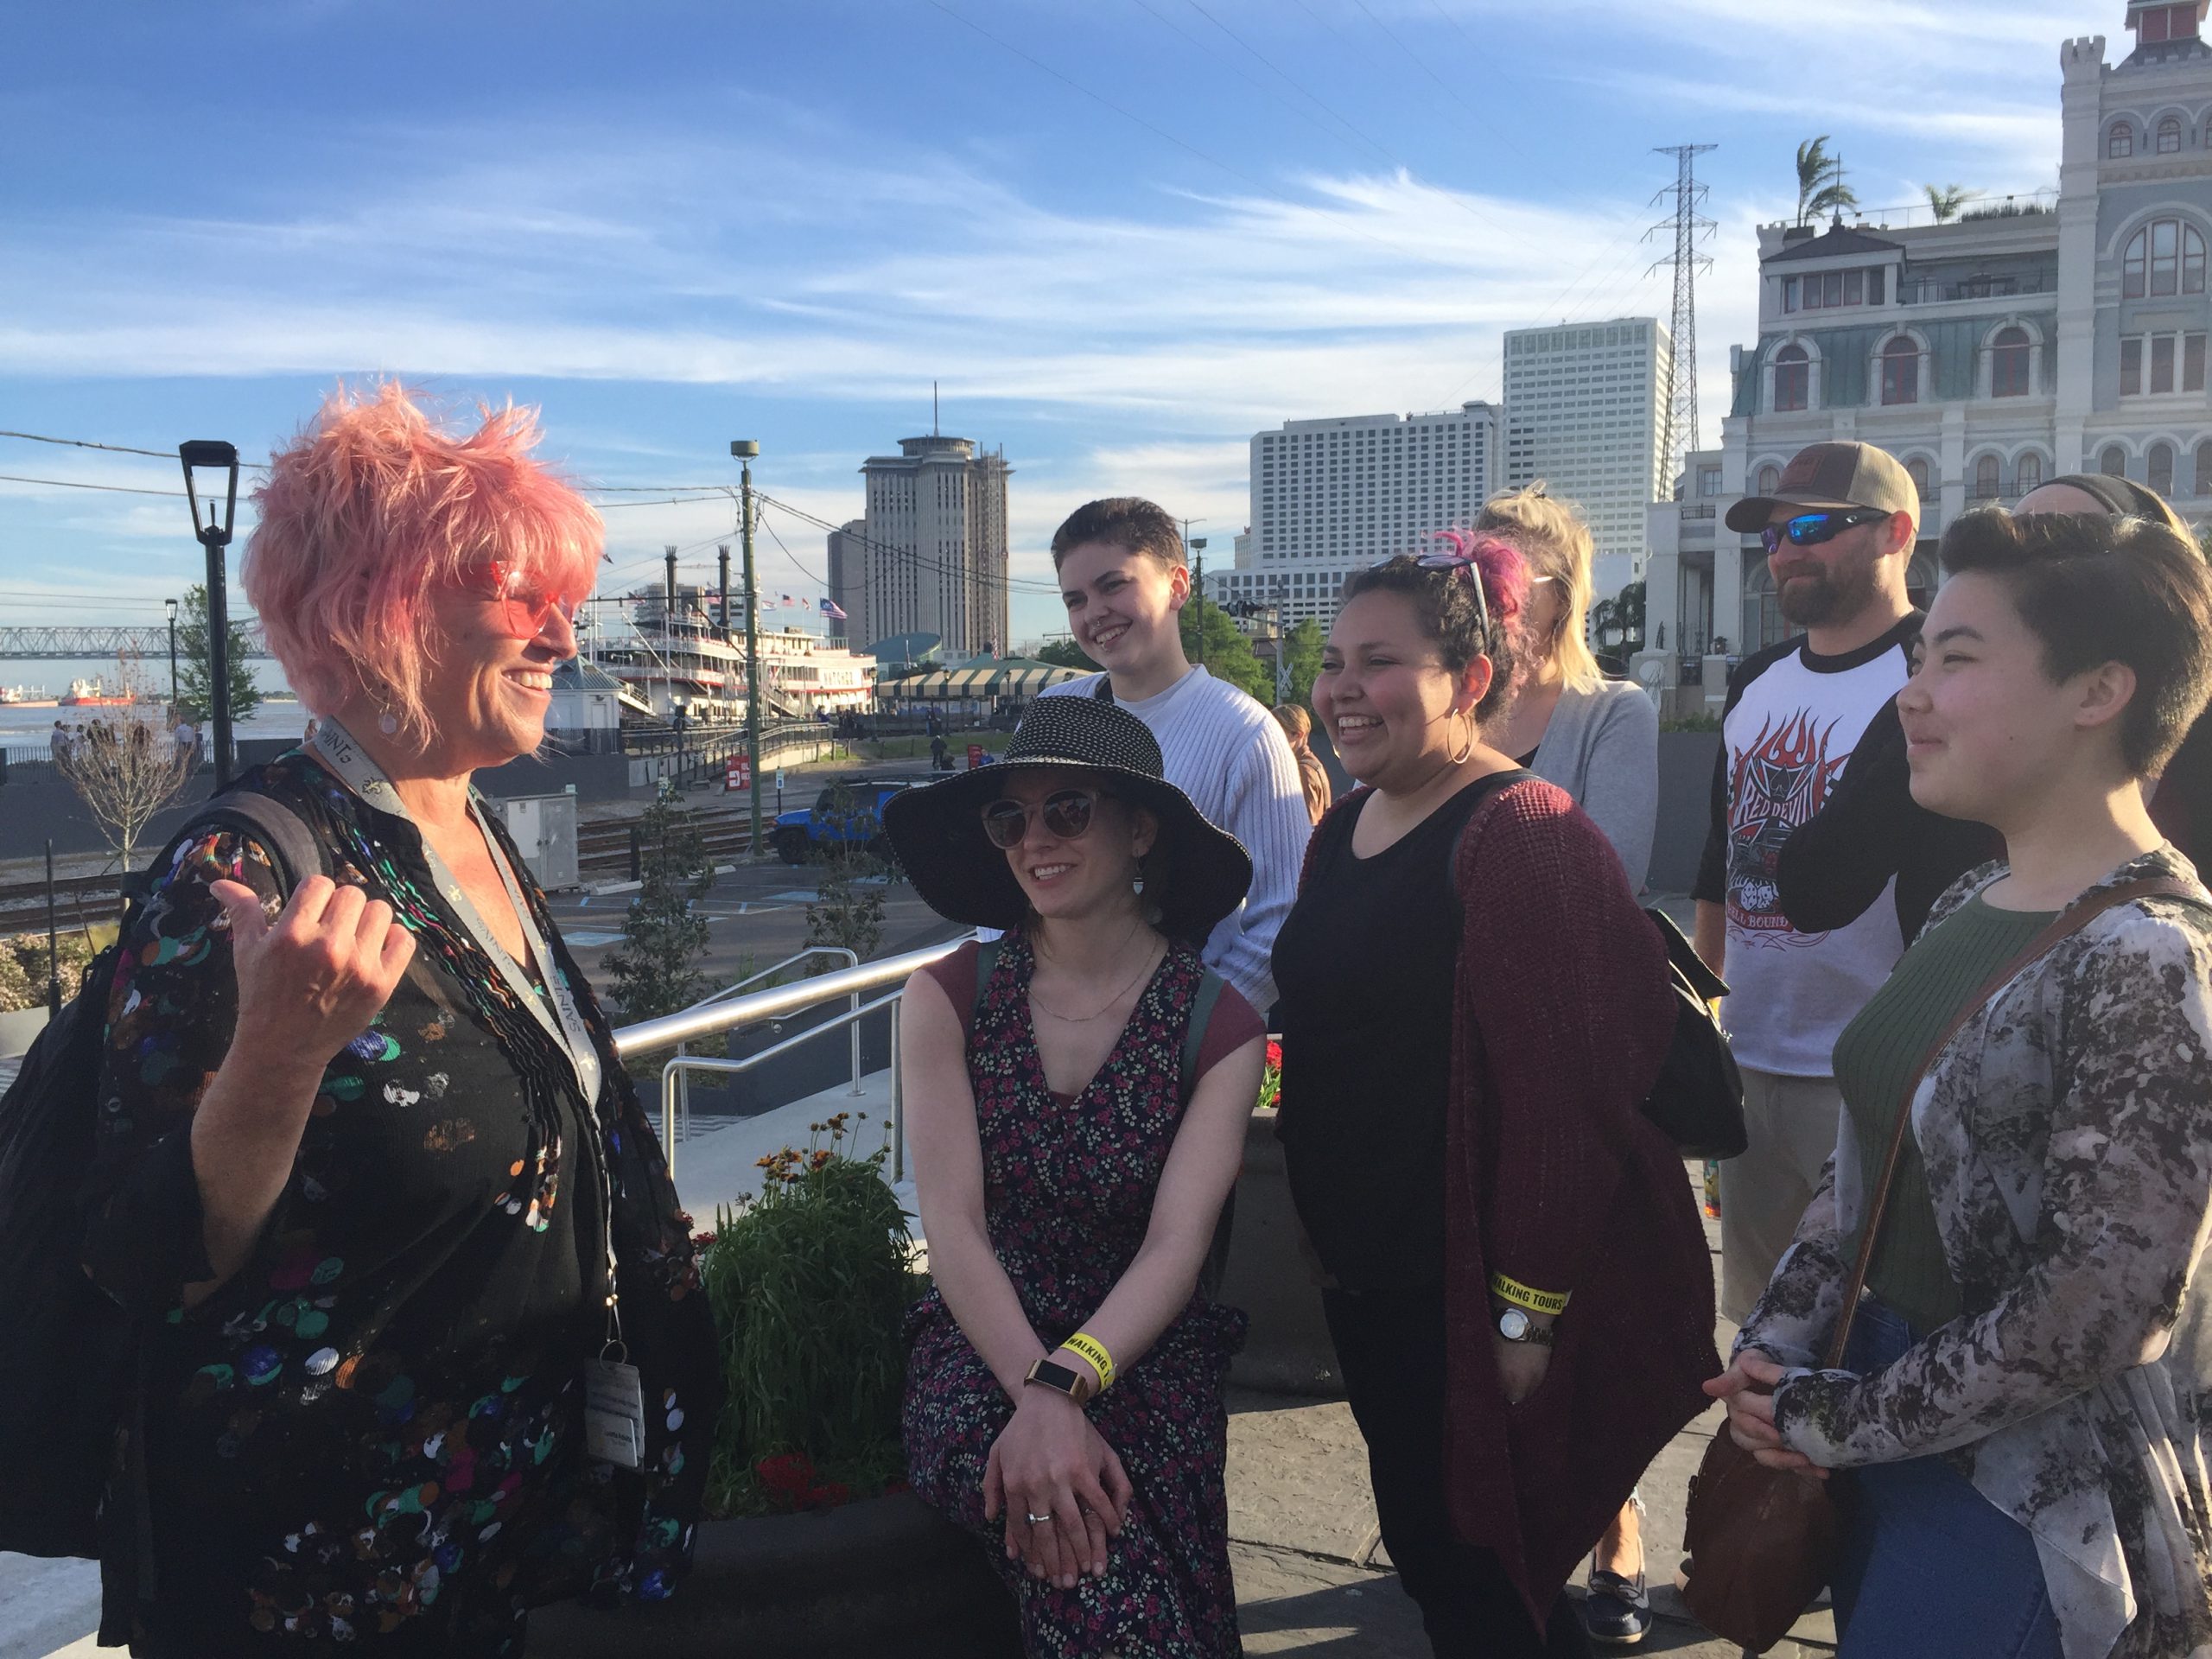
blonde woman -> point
(1312, 777)
(1598, 739)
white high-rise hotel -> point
(1585, 411)
(1332, 496)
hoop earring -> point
(1474, 736)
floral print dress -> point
(372, 1433)
(1068, 1194)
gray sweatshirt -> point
(1602, 747)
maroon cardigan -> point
(1553, 1177)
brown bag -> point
(1763, 1542)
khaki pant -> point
(1792, 1124)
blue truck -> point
(832, 825)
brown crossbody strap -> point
(2072, 921)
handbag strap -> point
(2063, 927)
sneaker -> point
(1618, 1611)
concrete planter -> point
(1288, 1350)
(887, 1575)
(18, 1028)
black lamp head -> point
(211, 454)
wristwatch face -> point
(1513, 1325)
(1056, 1376)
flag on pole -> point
(830, 609)
(787, 599)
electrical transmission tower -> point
(1687, 224)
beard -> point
(1815, 597)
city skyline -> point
(1122, 241)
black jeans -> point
(1391, 1343)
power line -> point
(917, 557)
(117, 448)
(78, 484)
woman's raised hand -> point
(312, 980)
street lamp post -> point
(212, 529)
(745, 449)
(1198, 587)
(170, 606)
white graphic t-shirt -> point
(1793, 719)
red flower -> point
(1274, 1054)
(790, 1473)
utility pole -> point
(171, 605)
(1687, 224)
(745, 449)
(1198, 548)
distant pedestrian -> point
(1123, 574)
(1078, 1104)
(1839, 531)
(59, 742)
(1473, 1009)
(185, 736)
(2020, 1404)
(372, 1178)
(1312, 777)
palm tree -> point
(1945, 200)
(1820, 188)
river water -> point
(31, 727)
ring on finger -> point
(1036, 1520)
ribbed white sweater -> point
(1224, 749)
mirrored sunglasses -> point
(1067, 814)
(1811, 528)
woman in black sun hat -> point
(1076, 1096)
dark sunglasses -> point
(1067, 814)
(1465, 565)
(1811, 528)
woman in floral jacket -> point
(2024, 1407)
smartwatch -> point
(1515, 1325)
(1048, 1373)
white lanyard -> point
(564, 1021)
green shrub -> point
(810, 1285)
(16, 991)
(23, 963)
(1691, 723)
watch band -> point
(1048, 1373)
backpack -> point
(1698, 1097)
(1194, 1036)
(69, 1366)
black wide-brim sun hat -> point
(1195, 874)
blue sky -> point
(1123, 234)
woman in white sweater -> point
(1598, 739)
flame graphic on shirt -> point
(1777, 781)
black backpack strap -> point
(1103, 691)
(987, 959)
(291, 846)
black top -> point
(1836, 864)
(1364, 963)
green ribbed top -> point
(1874, 1062)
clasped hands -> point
(1748, 1388)
(1050, 1461)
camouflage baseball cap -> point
(1833, 477)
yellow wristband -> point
(1521, 1295)
(1086, 1346)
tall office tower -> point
(1330, 496)
(848, 581)
(1586, 412)
(935, 559)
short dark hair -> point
(1445, 604)
(1125, 521)
(2096, 590)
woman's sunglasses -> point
(1067, 814)
(1811, 528)
(524, 608)
(1464, 564)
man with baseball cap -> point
(1839, 532)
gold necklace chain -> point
(1143, 969)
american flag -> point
(830, 609)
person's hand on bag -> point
(1747, 1386)
(310, 981)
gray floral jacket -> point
(2067, 1131)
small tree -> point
(847, 910)
(1301, 648)
(1946, 201)
(1228, 654)
(1066, 653)
(195, 679)
(655, 967)
(125, 767)
(1820, 188)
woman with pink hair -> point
(1473, 1008)
(370, 1182)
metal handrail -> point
(648, 1035)
(682, 1064)
(852, 960)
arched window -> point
(2113, 462)
(1916, 468)
(2008, 354)
(1985, 479)
(1793, 376)
(2119, 142)
(2203, 480)
(2027, 474)
(2164, 257)
(1769, 479)
(2162, 468)
(2169, 135)
(1901, 371)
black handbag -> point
(1698, 1097)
